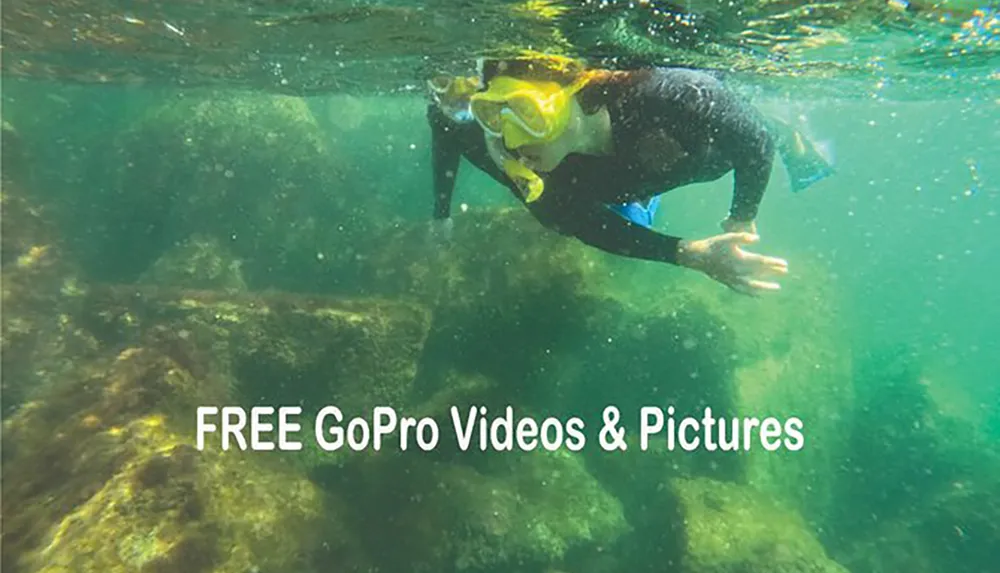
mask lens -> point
(527, 112)
(487, 113)
(440, 84)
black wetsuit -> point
(450, 141)
(670, 127)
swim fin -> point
(806, 160)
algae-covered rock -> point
(39, 338)
(898, 451)
(924, 470)
(508, 295)
(535, 312)
(254, 171)
(956, 530)
(276, 348)
(491, 254)
(788, 356)
(728, 527)
(567, 329)
(102, 475)
(509, 511)
(702, 525)
(199, 262)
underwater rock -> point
(566, 329)
(39, 337)
(487, 512)
(703, 525)
(102, 475)
(200, 262)
(275, 348)
(924, 467)
(790, 357)
(255, 171)
(505, 292)
(29, 233)
(63, 127)
(535, 312)
(956, 531)
(728, 527)
(498, 256)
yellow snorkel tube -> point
(526, 180)
(524, 112)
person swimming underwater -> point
(455, 134)
(575, 142)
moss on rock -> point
(729, 528)
(276, 348)
(520, 511)
(788, 356)
(253, 171)
(567, 329)
(924, 470)
(955, 530)
(101, 475)
(39, 336)
(200, 262)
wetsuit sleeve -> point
(446, 155)
(754, 157)
(596, 225)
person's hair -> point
(536, 67)
(601, 83)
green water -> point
(230, 203)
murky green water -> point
(229, 204)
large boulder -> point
(786, 356)
(102, 474)
(567, 330)
(39, 337)
(729, 528)
(924, 466)
(479, 512)
(252, 171)
(275, 348)
(200, 262)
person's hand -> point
(722, 258)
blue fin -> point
(806, 161)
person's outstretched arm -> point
(721, 257)
(596, 225)
(445, 159)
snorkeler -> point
(455, 134)
(612, 141)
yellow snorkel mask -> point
(524, 112)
